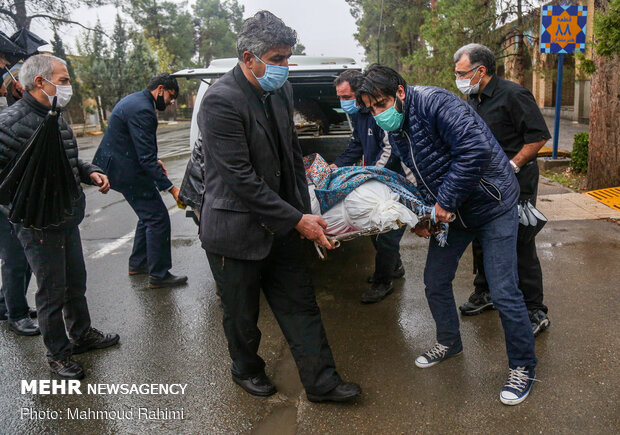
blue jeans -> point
(388, 254)
(15, 273)
(499, 244)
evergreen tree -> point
(118, 63)
(169, 25)
(447, 27)
(299, 49)
(217, 24)
(93, 70)
(141, 64)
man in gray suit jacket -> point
(255, 210)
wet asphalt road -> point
(175, 336)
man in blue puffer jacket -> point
(459, 167)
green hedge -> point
(579, 156)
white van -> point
(322, 125)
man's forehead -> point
(344, 87)
(60, 69)
(280, 50)
(464, 60)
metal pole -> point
(558, 106)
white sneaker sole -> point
(421, 364)
(511, 402)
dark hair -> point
(379, 81)
(353, 77)
(263, 32)
(170, 83)
(478, 55)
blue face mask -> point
(349, 106)
(274, 78)
(390, 119)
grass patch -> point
(567, 178)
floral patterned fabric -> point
(333, 185)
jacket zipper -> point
(499, 193)
(422, 179)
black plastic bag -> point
(38, 183)
(192, 186)
(11, 51)
(28, 41)
(531, 221)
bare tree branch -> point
(65, 21)
(7, 12)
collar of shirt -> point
(488, 90)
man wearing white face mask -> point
(55, 255)
(515, 120)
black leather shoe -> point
(32, 313)
(94, 339)
(138, 270)
(377, 292)
(169, 281)
(25, 326)
(66, 368)
(342, 393)
(259, 385)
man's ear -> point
(401, 92)
(160, 90)
(248, 59)
(38, 81)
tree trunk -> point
(519, 58)
(21, 15)
(604, 153)
(604, 148)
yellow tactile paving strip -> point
(609, 196)
(548, 152)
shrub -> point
(579, 155)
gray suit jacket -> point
(241, 209)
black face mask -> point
(160, 103)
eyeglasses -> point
(460, 75)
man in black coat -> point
(254, 211)
(515, 120)
(55, 255)
(128, 154)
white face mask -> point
(63, 92)
(466, 87)
(3, 103)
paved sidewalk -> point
(568, 130)
(559, 203)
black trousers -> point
(528, 264)
(151, 244)
(15, 273)
(286, 283)
(387, 258)
(57, 261)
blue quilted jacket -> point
(456, 160)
